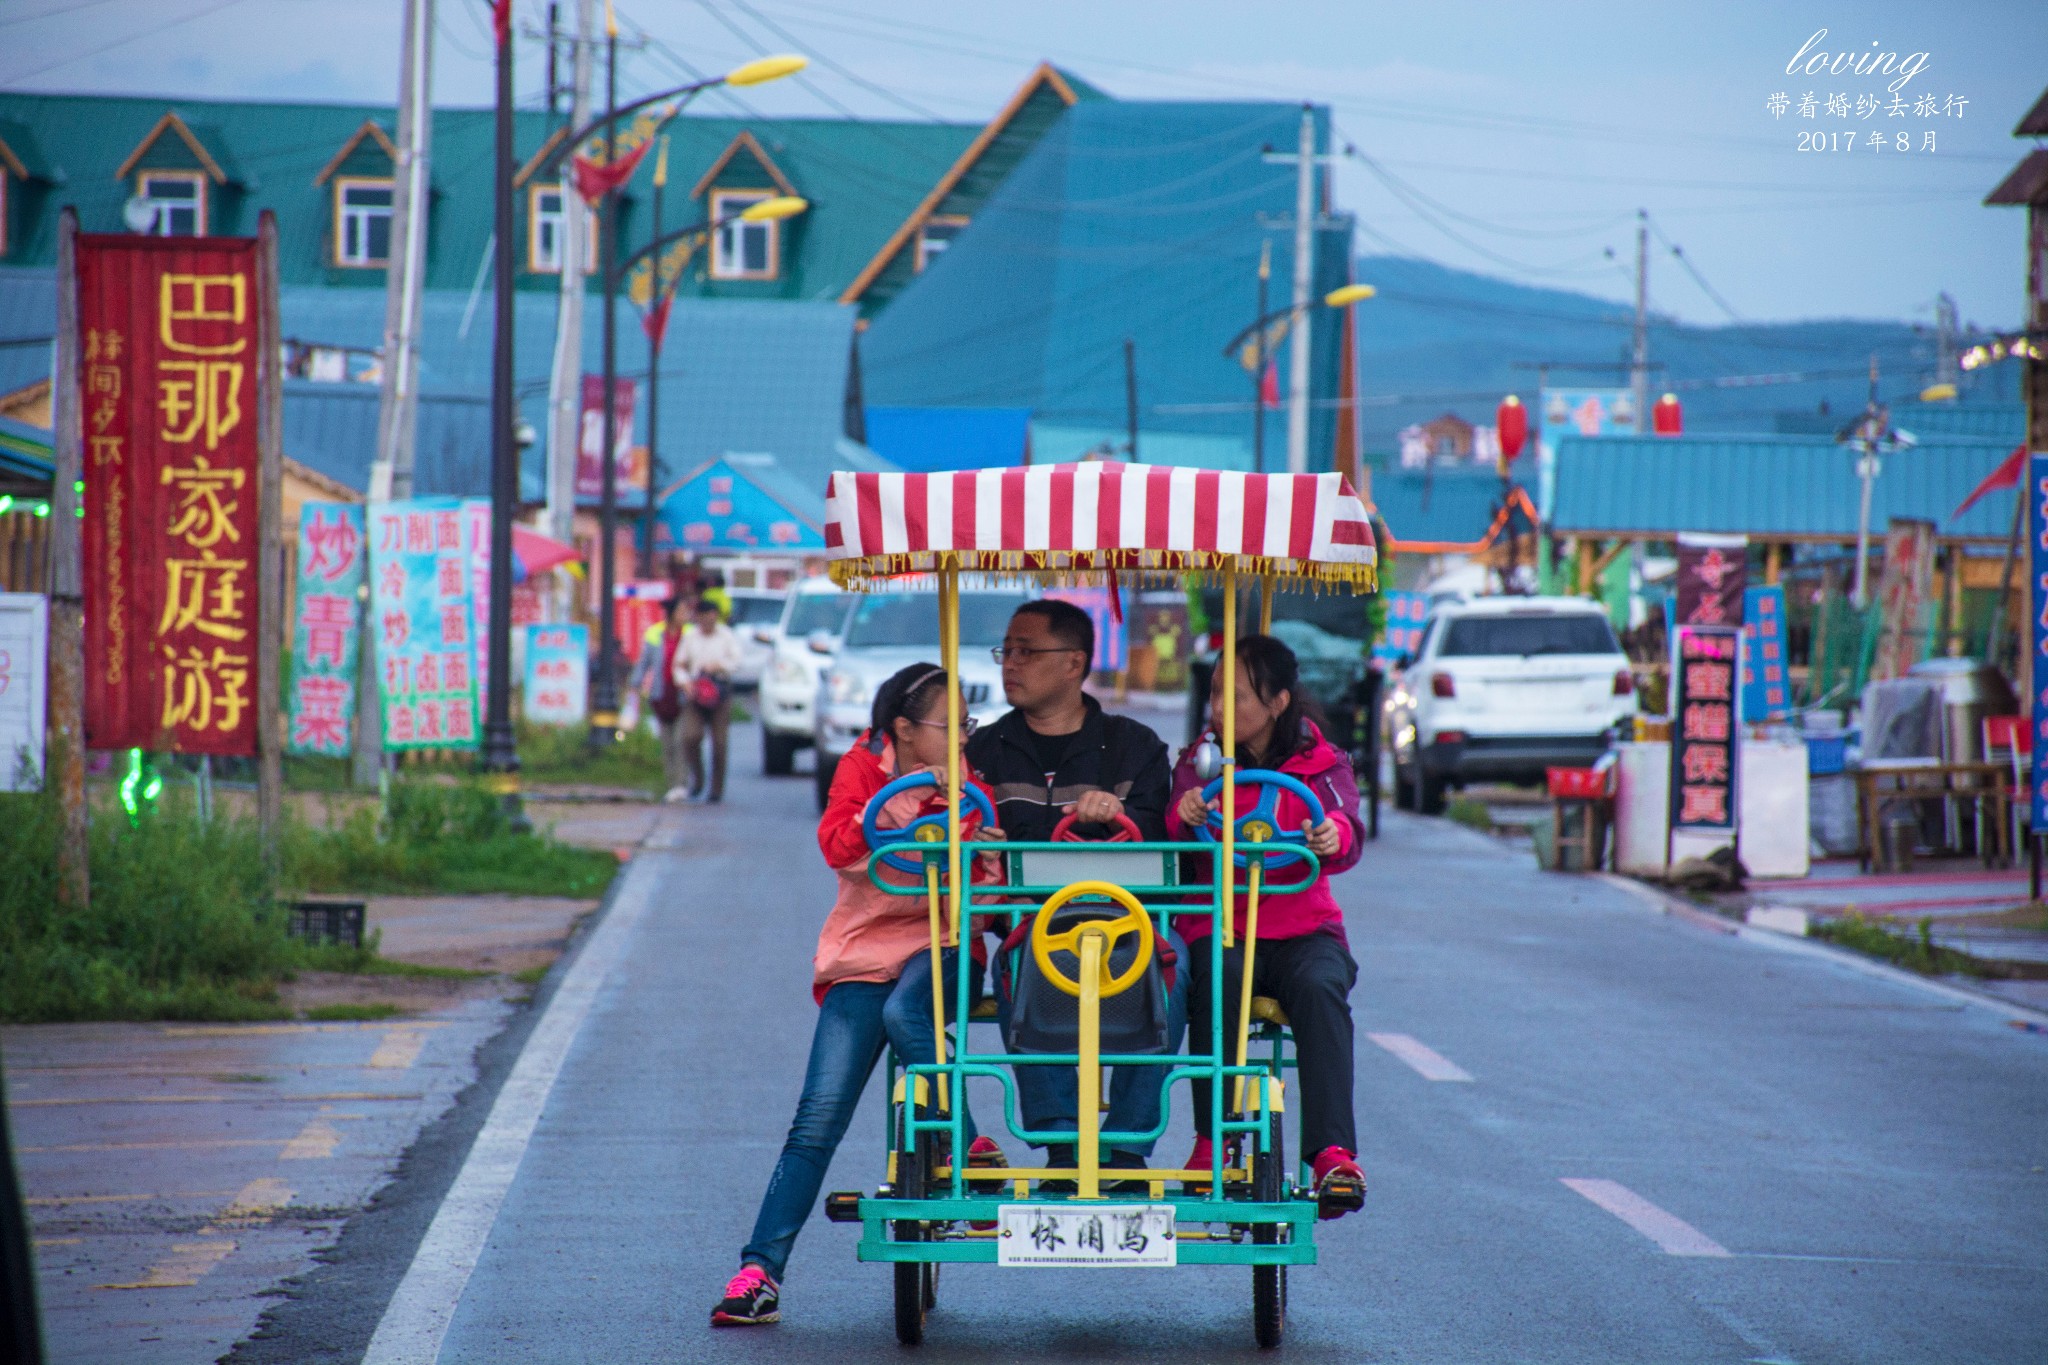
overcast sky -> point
(1516, 137)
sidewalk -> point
(176, 1174)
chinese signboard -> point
(557, 690)
(1766, 689)
(327, 636)
(1712, 573)
(718, 508)
(24, 665)
(1905, 597)
(1407, 613)
(1586, 412)
(1705, 725)
(2037, 635)
(169, 359)
(424, 623)
(476, 536)
(590, 439)
(1082, 1235)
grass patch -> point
(1916, 952)
(185, 920)
(1471, 814)
(533, 976)
(559, 755)
(346, 1014)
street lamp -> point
(1254, 339)
(661, 286)
(609, 179)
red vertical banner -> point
(168, 362)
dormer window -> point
(545, 221)
(742, 250)
(176, 201)
(362, 222)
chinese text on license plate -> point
(1093, 1234)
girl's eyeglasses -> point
(968, 725)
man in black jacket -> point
(1057, 753)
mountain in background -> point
(1439, 340)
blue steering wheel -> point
(1261, 824)
(925, 829)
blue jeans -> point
(857, 1020)
(1046, 1095)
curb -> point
(1664, 903)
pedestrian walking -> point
(705, 660)
(666, 700)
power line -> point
(827, 62)
(1693, 271)
(121, 41)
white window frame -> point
(727, 250)
(160, 227)
(343, 212)
(929, 249)
(539, 220)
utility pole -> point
(65, 744)
(1304, 273)
(398, 381)
(655, 336)
(554, 51)
(1946, 369)
(1259, 361)
(1639, 351)
(1131, 397)
(565, 377)
(604, 689)
(500, 753)
(1870, 431)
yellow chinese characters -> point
(204, 594)
(204, 516)
(204, 690)
(186, 299)
(200, 397)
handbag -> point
(668, 702)
(707, 692)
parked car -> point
(755, 615)
(885, 632)
(1500, 689)
(800, 647)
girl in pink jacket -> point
(1303, 959)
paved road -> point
(1594, 1132)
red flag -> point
(2007, 475)
(654, 321)
(501, 20)
(595, 179)
(1269, 386)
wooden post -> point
(1774, 563)
(1952, 601)
(66, 747)
(1583, 552)
(269, 513)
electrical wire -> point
(121, 41)
(863, 82)
(1693, 271)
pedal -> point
(843, 1206)
(1339, 1195)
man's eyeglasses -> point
(1001, 652)
(968, 725)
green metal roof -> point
(1793, 487)
(863, 179)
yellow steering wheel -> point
(1134, 920)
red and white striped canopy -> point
(1058, 521)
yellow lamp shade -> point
(773, 210)
(765, 69)
(1349, 294)
(1937, 393)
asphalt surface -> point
(1652, 1142)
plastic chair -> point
(2010, 740)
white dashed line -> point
(1676, 1236)
(1430, 1064)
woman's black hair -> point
(1271, 668)
(908, 692)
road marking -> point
(259, 1199)
(153, 1146)
(261, 1030)
(218, 1099)
(123, 1198)
(399, 1050)
(1428, 1062)
(415, 1322)
(1676, 1236)
(188, 1263)
(57, 1242)
(317, 1139)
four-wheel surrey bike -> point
(1082, 923)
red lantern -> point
(1512, 420)
(1666, 419)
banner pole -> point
(269, 513)
(66, 746)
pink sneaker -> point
(984, 1155)
(1340, 1184)
(751, 1298)
(1198, 1160)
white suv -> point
(801, 647)
(1502, 688)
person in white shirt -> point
(705, 660)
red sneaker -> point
(984, 1155)
(1340, 1184)
(1198, 1160)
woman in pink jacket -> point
(871, 975)
(1303, 959)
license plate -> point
(1120, 1235)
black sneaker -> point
(1124, 1161)
(1060, 1155)
(750, 1299)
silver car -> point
(801, 646)
(892, 630)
